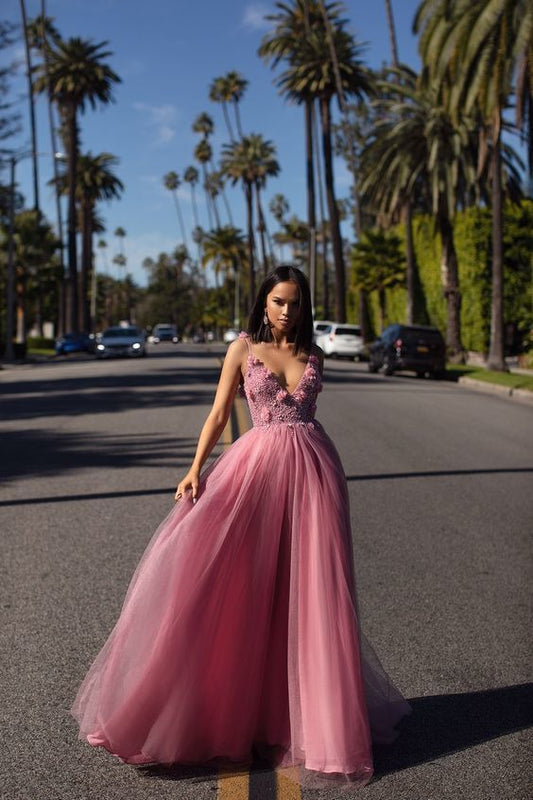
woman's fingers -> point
(194, 485)
(184, 486)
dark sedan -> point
(121, 340)
(414, 348)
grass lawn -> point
(41, 351)
(510, 379)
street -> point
(441, 494)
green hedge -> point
(40, 343)
(472, 235)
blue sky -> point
(167, 52)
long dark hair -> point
(259, 332)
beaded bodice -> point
(270, 403)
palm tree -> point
(417, 150)
(226, 248)
(311, 73)
(102, 246)
(235, 86)
(96, 182)
(471, 52)
(203, 124)
(172, 183)
(291, 26)
(191, 176)
(249, 161)
(40, 32)
(378, 265)
(120, 258)
(279, 207)
(76, 75)
(219, 93)
(203, 153)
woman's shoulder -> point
(239, 348)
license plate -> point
(422, 349)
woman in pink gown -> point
(239, 631)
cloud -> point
(254, 17)
(161, 118)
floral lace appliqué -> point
(271, 404)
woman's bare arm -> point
(218, 416)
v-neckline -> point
(253, 357)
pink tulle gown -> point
(239, 630)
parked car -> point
(74, 343)
(342, 340)
(415, 348)
(319, 327)
(164, 332)
(230, 335)
(121, 340)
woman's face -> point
(283, 307)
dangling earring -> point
(265, 319)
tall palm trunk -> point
(180, 216)
(237, 118)
(450, 278)
(392, 33)
(29, 74)
(86, 264)
(261, 227)
(227, 120)
(72, 149)
(334, 221)
(61, 321)
(323, 226)
(311, 202)
(207, 197)
(496, 358)
(196, 218)
(248, 190)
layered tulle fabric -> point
(239, 630)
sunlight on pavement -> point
(233, 786)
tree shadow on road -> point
(438, 473)
(31, 453)
(446, 724)
(76, 396)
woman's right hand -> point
(189, 483)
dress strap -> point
(244, 335)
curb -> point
(520, 395)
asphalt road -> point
(442, 507)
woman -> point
(239, 631)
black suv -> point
(415, 348)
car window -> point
(344, 330)
(416, 334)
(116, 332)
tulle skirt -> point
(239, 630)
